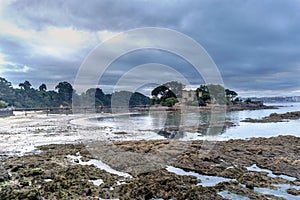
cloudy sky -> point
(254, 43)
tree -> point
(5, 84)
(3, 104)
(7, 92)
(161, 93)
(25, 86)
(138, 99)
(98, 96)
(170, 102)
(230, 94)
(248, 100)
(126, 98)
(202, 94)
(65, 92)
(217, 92)
(175, 87)
(43, 87)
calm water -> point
(247, 130)
(185, 126)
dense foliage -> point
(167, 94)
(28, 97)
(170, 93)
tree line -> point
(28, 97)
(167, 94)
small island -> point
(274, 117)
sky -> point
(255, 44)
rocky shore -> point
(275, 117)
(259, 168)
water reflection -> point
(201, 125)
(177, 125)
(172, 127)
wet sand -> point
(20, 134)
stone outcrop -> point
(52, 175)
(274, 117)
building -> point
(187, 95)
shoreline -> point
(20, 134)
(68, 162)
(275, 117)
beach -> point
(54, 156)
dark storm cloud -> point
(255, 44)
(140, 57)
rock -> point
(250, 185)
(227, 159)
(16, 167)
(274, 117)
(34, 172)
(88, 191)
(293, 191)
(121, 133)
(24, 183)
(4, 175)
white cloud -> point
(4, 3)
(8, 28)
(58, 42)
(53, 41)
(12, 30)
(105, 35)
(3, 60)
(7, 66)
(25, 68)
(14, 68)
(61, 42)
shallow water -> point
(99, 164)
(97, 182)
(228, 195)
(280, 192)
(21, 134)
(206, 181)
(255, 168)
(184, 126)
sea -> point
(21, 135)
(185, 126)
